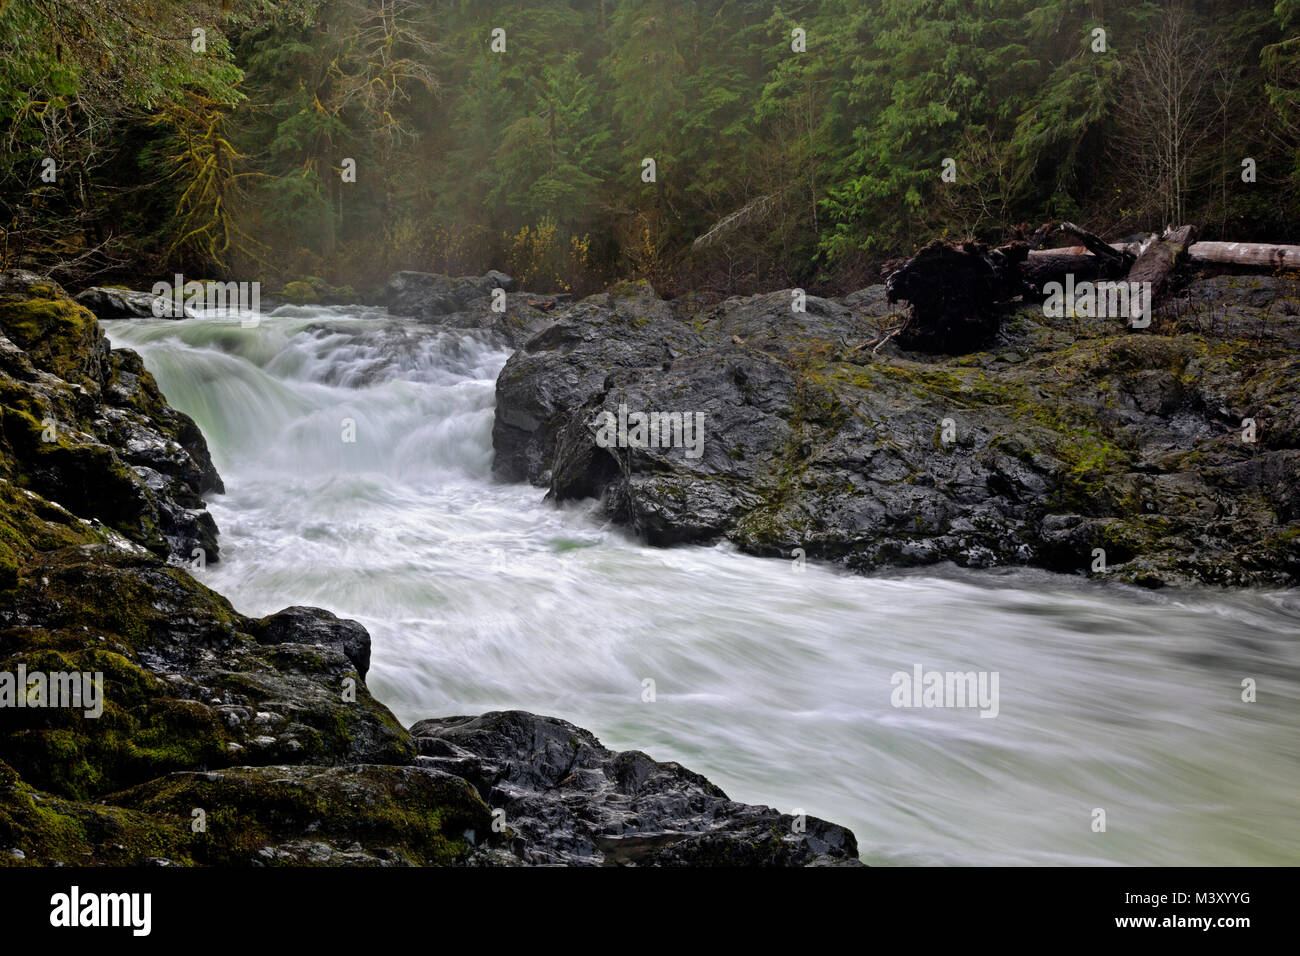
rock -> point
(569, 800)
(312, 290)
(109, 303)
(312, 625)
(169, 647)
(356, 815)
(560, 368)
(899, 459)
(871, 301)
(1258, 307)
(465, 302)
(87, 427)
(426, 294)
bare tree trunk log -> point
(1052, 265)
(1160, 260)
(1094, 244)
(1129, 248)
(1246, 254)
(1263, 254)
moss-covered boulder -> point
(88, 428)
(312, 290)
(352, 815)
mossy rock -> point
(633, 289)
(59, 336)
(304, 815)
(302, 293)
(48, 830)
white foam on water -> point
(775, 685)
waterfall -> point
(774, 683)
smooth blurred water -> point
(772, 683)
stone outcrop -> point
(1059, 438)
(465, 302)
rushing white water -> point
(774, 684)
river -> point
(774, 681)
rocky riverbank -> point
(1167, 456)
(228, 740)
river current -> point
(772, 680)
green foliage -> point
(773, 166)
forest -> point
(714, 147)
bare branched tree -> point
(391, 53)
(1167, 111)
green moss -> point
(631, 289)
(405, 814)
(300, 293)
(49, 830)
(58, 335)
(142, 731)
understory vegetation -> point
(797, 143)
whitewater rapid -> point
(773, 683)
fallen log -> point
(958, 291)
(1160, 260)
(1263, 254)
(1054, 265)
(1098, 246)
(1132, 248)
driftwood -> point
(1261, 254)
(1098, 246)
(1053, 265)
(1265, 255)
(1160, 260)
(958, 291)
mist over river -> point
(774, 684)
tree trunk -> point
(1094, 244)
(1263, 254)
(1246, 254)
(1160, 260)
(1052, 265)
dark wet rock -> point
(567, 799)
(1061, 438)
(187, 683)
(1265, 308)
(525, 315)
(109, 303)
(426, 294)
(312, 625)
(466, 302)
(560, 368)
